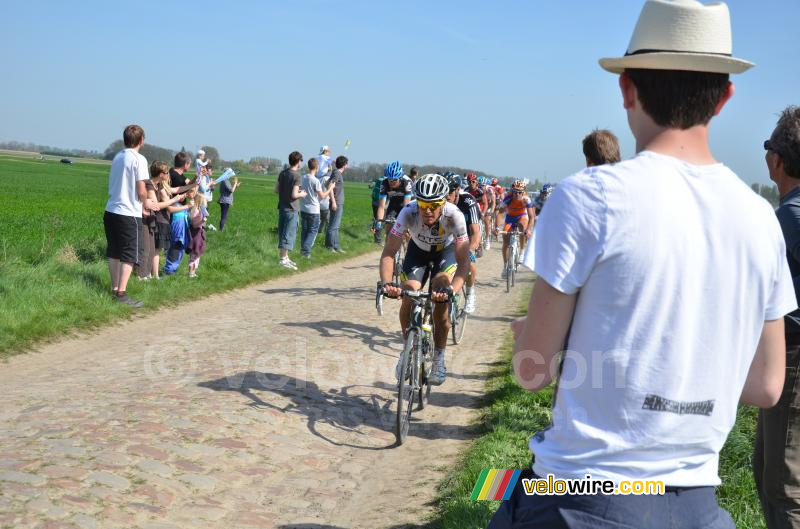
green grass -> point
(53, 272)
(511, 415)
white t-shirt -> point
(127, 168)
(450, 227)
(677, 268)
(312, 186)
(325, 166)
(198, 165)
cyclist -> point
(519, 211)
(396, 192)
(472, 216)
(439, 236)
(499, 191)
(376, 186)
(491, 203)
(475, 190)
(544, 194)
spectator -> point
(337, 206)
(309, 208)
(414, 174)
(205, 184)
(776, 461)
(198, 214)
(177, 175)
(199, 163)
(600, 147)
(226, 191)
(159, 190)
(325, 163)
(324, 175)
(648, 386)
(289, 193)
(122, 219)
(180, 235)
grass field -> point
(53, 273)
(509, 418)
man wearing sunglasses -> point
(776, 460)
(439, 236)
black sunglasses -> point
(768, 147)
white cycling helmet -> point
(431, 187)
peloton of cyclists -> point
(519, 211)
(472, 216)
(396, 192)
(439, 236)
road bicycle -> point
(514, 257)
(416, 358)
(400, 255)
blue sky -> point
(509, 88)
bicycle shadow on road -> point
(372, 337)
(338, 293)
(342, 417)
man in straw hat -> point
(667, 319)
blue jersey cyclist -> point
(396, 191)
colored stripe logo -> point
(495, 484)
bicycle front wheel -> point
(459, 322)
(405, 389)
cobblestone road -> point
(270, 406)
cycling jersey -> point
(376, 190)
(450, 227)
(394, 196)
(469, 208)
(490, 197)
(516, 207)
(477, 194)
(499, 192)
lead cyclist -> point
(438, 235)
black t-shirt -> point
(396, 195)
(176, 179)
(286, 182)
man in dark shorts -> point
(123, 215)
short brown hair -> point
(295, 158)
(312, 164)
(132, 136)
(679, 99)
(601, 147)
(158, 168)
(341, 161)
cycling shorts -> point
(393, 209)
(512, 221)
(416, 261)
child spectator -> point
(180, 235)
(198, 214)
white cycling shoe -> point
(438, 371)
(469, 307)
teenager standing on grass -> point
(122, 219)
(289, 193)
(226, 191)
(158, 190)
(668, 320)
(309, 208)
(332, 241)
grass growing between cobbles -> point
(511, 415)
(54, 275)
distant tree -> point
(113, 149)
(212, 154)
(151, 152)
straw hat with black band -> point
(681, 35)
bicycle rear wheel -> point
(405, 389)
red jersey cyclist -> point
(519, 212)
